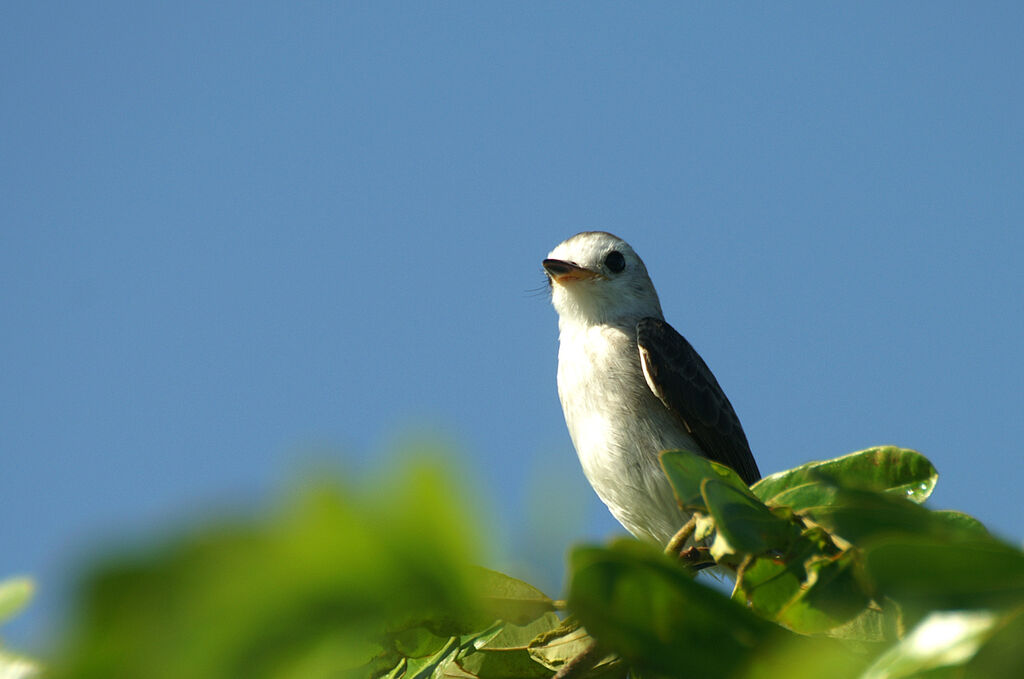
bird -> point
(631, 386)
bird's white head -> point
(596, 278)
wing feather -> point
(678, 376)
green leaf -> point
(878, 624)
(15, 593)
(1001, 655)
(885, 468)
(686, 470)
(507, 654)
(507, 598)
(806, 496)
(861, 517)
(424, 667)
(556, 647)
(767, 584)
(960, 523)
(945, 639)
(641, 605)
(561, 644)
(335, 580)
(932, 573)
(417, 642)
(831, 596)
(743, 521)
(443, 663)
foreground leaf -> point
(13, 666)
(956, 639)
(931, 573)
(645, 607)
(332, 583)
(15, 593)
(641, 605)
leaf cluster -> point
(839, 571)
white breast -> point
(618, 427)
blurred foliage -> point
(15, 594)
(839, 571)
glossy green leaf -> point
(884, 468)
(766, 584)
(742, 520)
(831, 596)
(806, 496)
(686, 471)
(859, 516)
(863, 517)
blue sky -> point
(235, 238)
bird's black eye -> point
(615, 261)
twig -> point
(581, 663)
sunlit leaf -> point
(858, 516)
(425, 667)
(558, 646)
(743, 521)
(766, 584)
(686, 470)
(897, 470)
(507, 655)
(13, 666)
(879, 623)
(1001, 655)
(831, 596)
(864, 517)
(806, 496)
(942, 640)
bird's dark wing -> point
(679, 377)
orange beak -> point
(562, 272)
